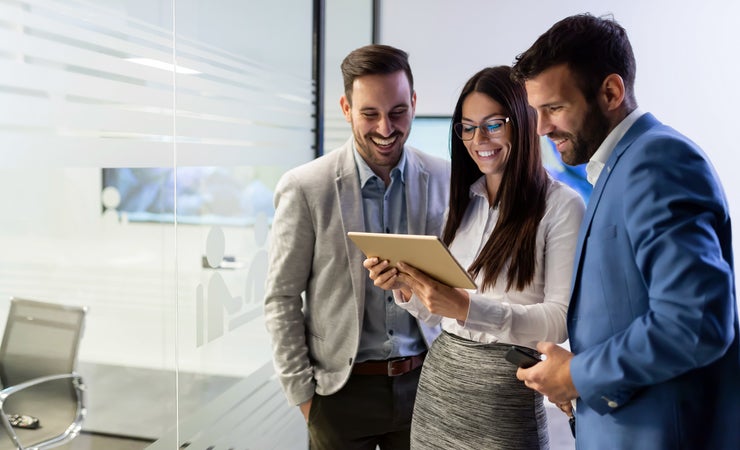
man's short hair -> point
(592, 47)
(374, 59)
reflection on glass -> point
(205, 195)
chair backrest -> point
(40, 339)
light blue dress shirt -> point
(387, 330)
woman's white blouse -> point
(525, 317)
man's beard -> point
(367, 149)
(584, 143)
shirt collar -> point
(598, 160)
(366, 173)
(478, 188)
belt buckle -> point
(392, 372)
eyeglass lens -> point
(490, 128)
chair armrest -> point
(10, 390)
(74, 427)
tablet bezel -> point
(427, 253)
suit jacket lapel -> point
(417, 203)
(417, 181)
(353, 219)
(642, 124)
(348, 190)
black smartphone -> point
(521, 358)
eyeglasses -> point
(489, 128)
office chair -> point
(38, 357)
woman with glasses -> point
(515, 229)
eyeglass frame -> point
(458, 133)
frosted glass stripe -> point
(19, 149)
(98, 108)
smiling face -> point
(380, 113)
(576, 126)
(490, 153)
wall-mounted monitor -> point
(205, 195)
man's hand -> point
(305, 409)
(551, 377)
(383, 275)
(566, 407)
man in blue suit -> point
(653, 319)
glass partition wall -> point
(245, 114)
(141, 141)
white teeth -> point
(486, 154)
(384, 142)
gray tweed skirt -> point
(469, 398)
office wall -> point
(685, 50)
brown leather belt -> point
(392, 367)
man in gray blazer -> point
(343, 351)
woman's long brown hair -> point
(521, 196)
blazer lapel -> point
(417, 203)
(642, 124)
(417, 187)
(348, 191)
(353, 219)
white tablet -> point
(427, 253)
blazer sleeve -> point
(676, 223)
(291, 252)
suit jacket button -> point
(612, 404)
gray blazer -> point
(315, 341)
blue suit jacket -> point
(653, 317)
